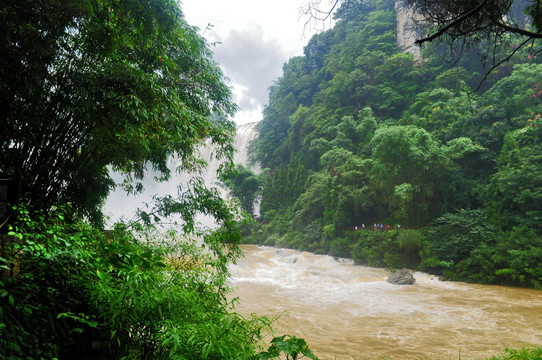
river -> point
(345, 311)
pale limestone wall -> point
(409, 25)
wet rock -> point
(401, 277)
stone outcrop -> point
(401, 277)
(410, 27)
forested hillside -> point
(357, 134)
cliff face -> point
(409, 29)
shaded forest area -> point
(87, 87)
(356, 133)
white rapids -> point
(346, 311)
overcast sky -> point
(256, 38)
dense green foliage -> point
(87, 84)
(521, 354)
(243, 185)
(356, 134)
(69, 291)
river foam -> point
(346, 311)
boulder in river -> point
(401, 277)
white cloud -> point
(256, 37)
(252, 62)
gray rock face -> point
(410, 27)
(401, 277)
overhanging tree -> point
(467, 20)
(503, 26)
(87, 84)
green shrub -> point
(70, 291)
(370, 248)
(478, 267)
(452, 237)
(312, 238)
(410, 240)
(44, 310)
(340, 247)
(521, 354)
(384, 249)
(517, 258)
(465, 247)
(270, 215)
(271, 240)
(290, 346)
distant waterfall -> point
(244, 136)
(119, 205)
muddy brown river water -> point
(345, 311)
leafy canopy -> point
(90, 84)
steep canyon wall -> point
(410, 27)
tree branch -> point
(457, 21)
(517, 30)
(499, 63)
(314, 13)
